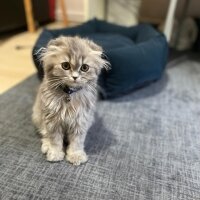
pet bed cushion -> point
(137, 54)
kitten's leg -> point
(36, 115)
(52, 146)
(75, 150)
(36, 111)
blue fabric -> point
(137, 54)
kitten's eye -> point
(65, 65)
(84, 68)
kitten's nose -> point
(75, 77)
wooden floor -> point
(16, 64)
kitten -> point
(65, 103)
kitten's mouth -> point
(73, 84)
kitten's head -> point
(72, 61)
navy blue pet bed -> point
(137, 54)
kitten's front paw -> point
(77, 157)
(45, 147)
(54, 155)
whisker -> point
(92, 88)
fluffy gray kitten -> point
(65, 103)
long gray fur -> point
(59, 115)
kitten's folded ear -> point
(57, 41)
(107, 64)
(104, 56)
(94, 46)
(40, 51)
(99, 49)
(38, 54)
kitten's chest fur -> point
(71, 113)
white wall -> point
(94, 8)
(151, 10)
(75, 10)
(82, 10)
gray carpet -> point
(143, 146)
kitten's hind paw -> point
(45, 147)
(77, 157)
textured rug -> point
(143, 146)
